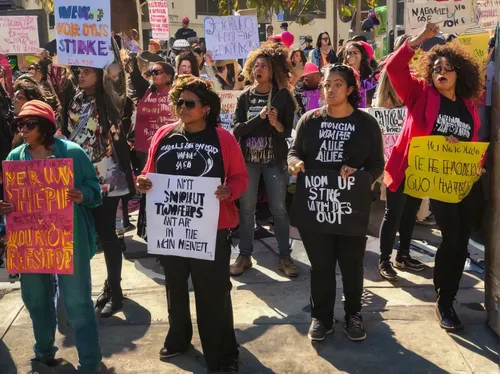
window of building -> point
(207, 7)
(313, 7)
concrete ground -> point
(271, 315)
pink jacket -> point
(423, 103)
(235, 171)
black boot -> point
(448, 318)
(104, 296)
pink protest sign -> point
(19, 34)
(153, 111)
(158, 17)
(40, 230)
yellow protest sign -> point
(442, 171)
(477, 46)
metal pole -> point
(335, 24)
(358, 17)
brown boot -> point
(288, 267)
(240, 265)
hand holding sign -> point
(143, 184)
(223, 192)
(74, 194)
(346, 171)
(295, 169)
(6, 208)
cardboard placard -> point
(231, 37)
(228, 101)
(19, 35)
(83, 32)
(453, 16)
(443, 171)
(477, 46)
(182, 215)
(489, 13)
(158, 17)
(391, 123)
(327, 204)
(40, 229)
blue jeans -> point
(276, 181)
(37, 291)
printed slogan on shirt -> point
(442, 171)
(182, 215)
(325, 203)
(40, 229)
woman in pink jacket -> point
(440, 104)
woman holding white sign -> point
(197, 146)
(337, 137)
(441, 103)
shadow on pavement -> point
(7, 365)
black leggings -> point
(400, 213)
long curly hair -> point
(277, 55)
(202, 88)
(350, 76)
(365, 69)
(470, 80)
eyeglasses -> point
(447, 68)
(325, 38)
(189, 104)
(156, 72)
(29, 124)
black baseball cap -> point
(284, 25)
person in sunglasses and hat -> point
(185, 32)
(38, 126)
(198, 107)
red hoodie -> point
(423, 102)
(235, 171)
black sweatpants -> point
(400, 214)
(105, 225)
(323, 252)
(454, 222)
(214, 310)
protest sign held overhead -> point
(443, 171)
(40, 229)
(158, 17)
(451, 16)
(19, 35)
(477, 46)
(182, 215)
(391, 123)
(326, 203)
(231, 37)
(83, 33)
(489, 13)
(228, 101)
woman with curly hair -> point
(262, 123)
(198, 108)
(441, 103)
(359, 56)
(356, 143)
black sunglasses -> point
(447, 68)
(189, 104)
(30, 124)
(156, 72)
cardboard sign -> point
(182, 215)
(231, 37)
(153, 111)
(327, 204)
(442, 171)
(489, 13)
(158, 17)
(18, 35)
(452, 16)
(391, 123)
(40, 230)
(228, 101)
(83, 32)
(476, 45)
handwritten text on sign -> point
(40, 230)
(489, 13)
(442, 171)
(228, 101)
(182, 215)
(19, 34)
(477, 46)
(451, 16)
(231, 37)
(83, 32)
(158, 17)
(391, 123)
(326, 203)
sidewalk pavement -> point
(271, 316)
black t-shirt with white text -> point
(190, 154)
(259, 143)
(454, 119)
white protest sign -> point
(19, 34)
(391, 123)
(489, 13)
(228, 101)
(231, 37)
(182, 215)
(83, 32)
(452, 16)
(158, 17)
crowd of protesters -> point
(101, 118)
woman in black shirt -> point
(336, 137)
(263, 120)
